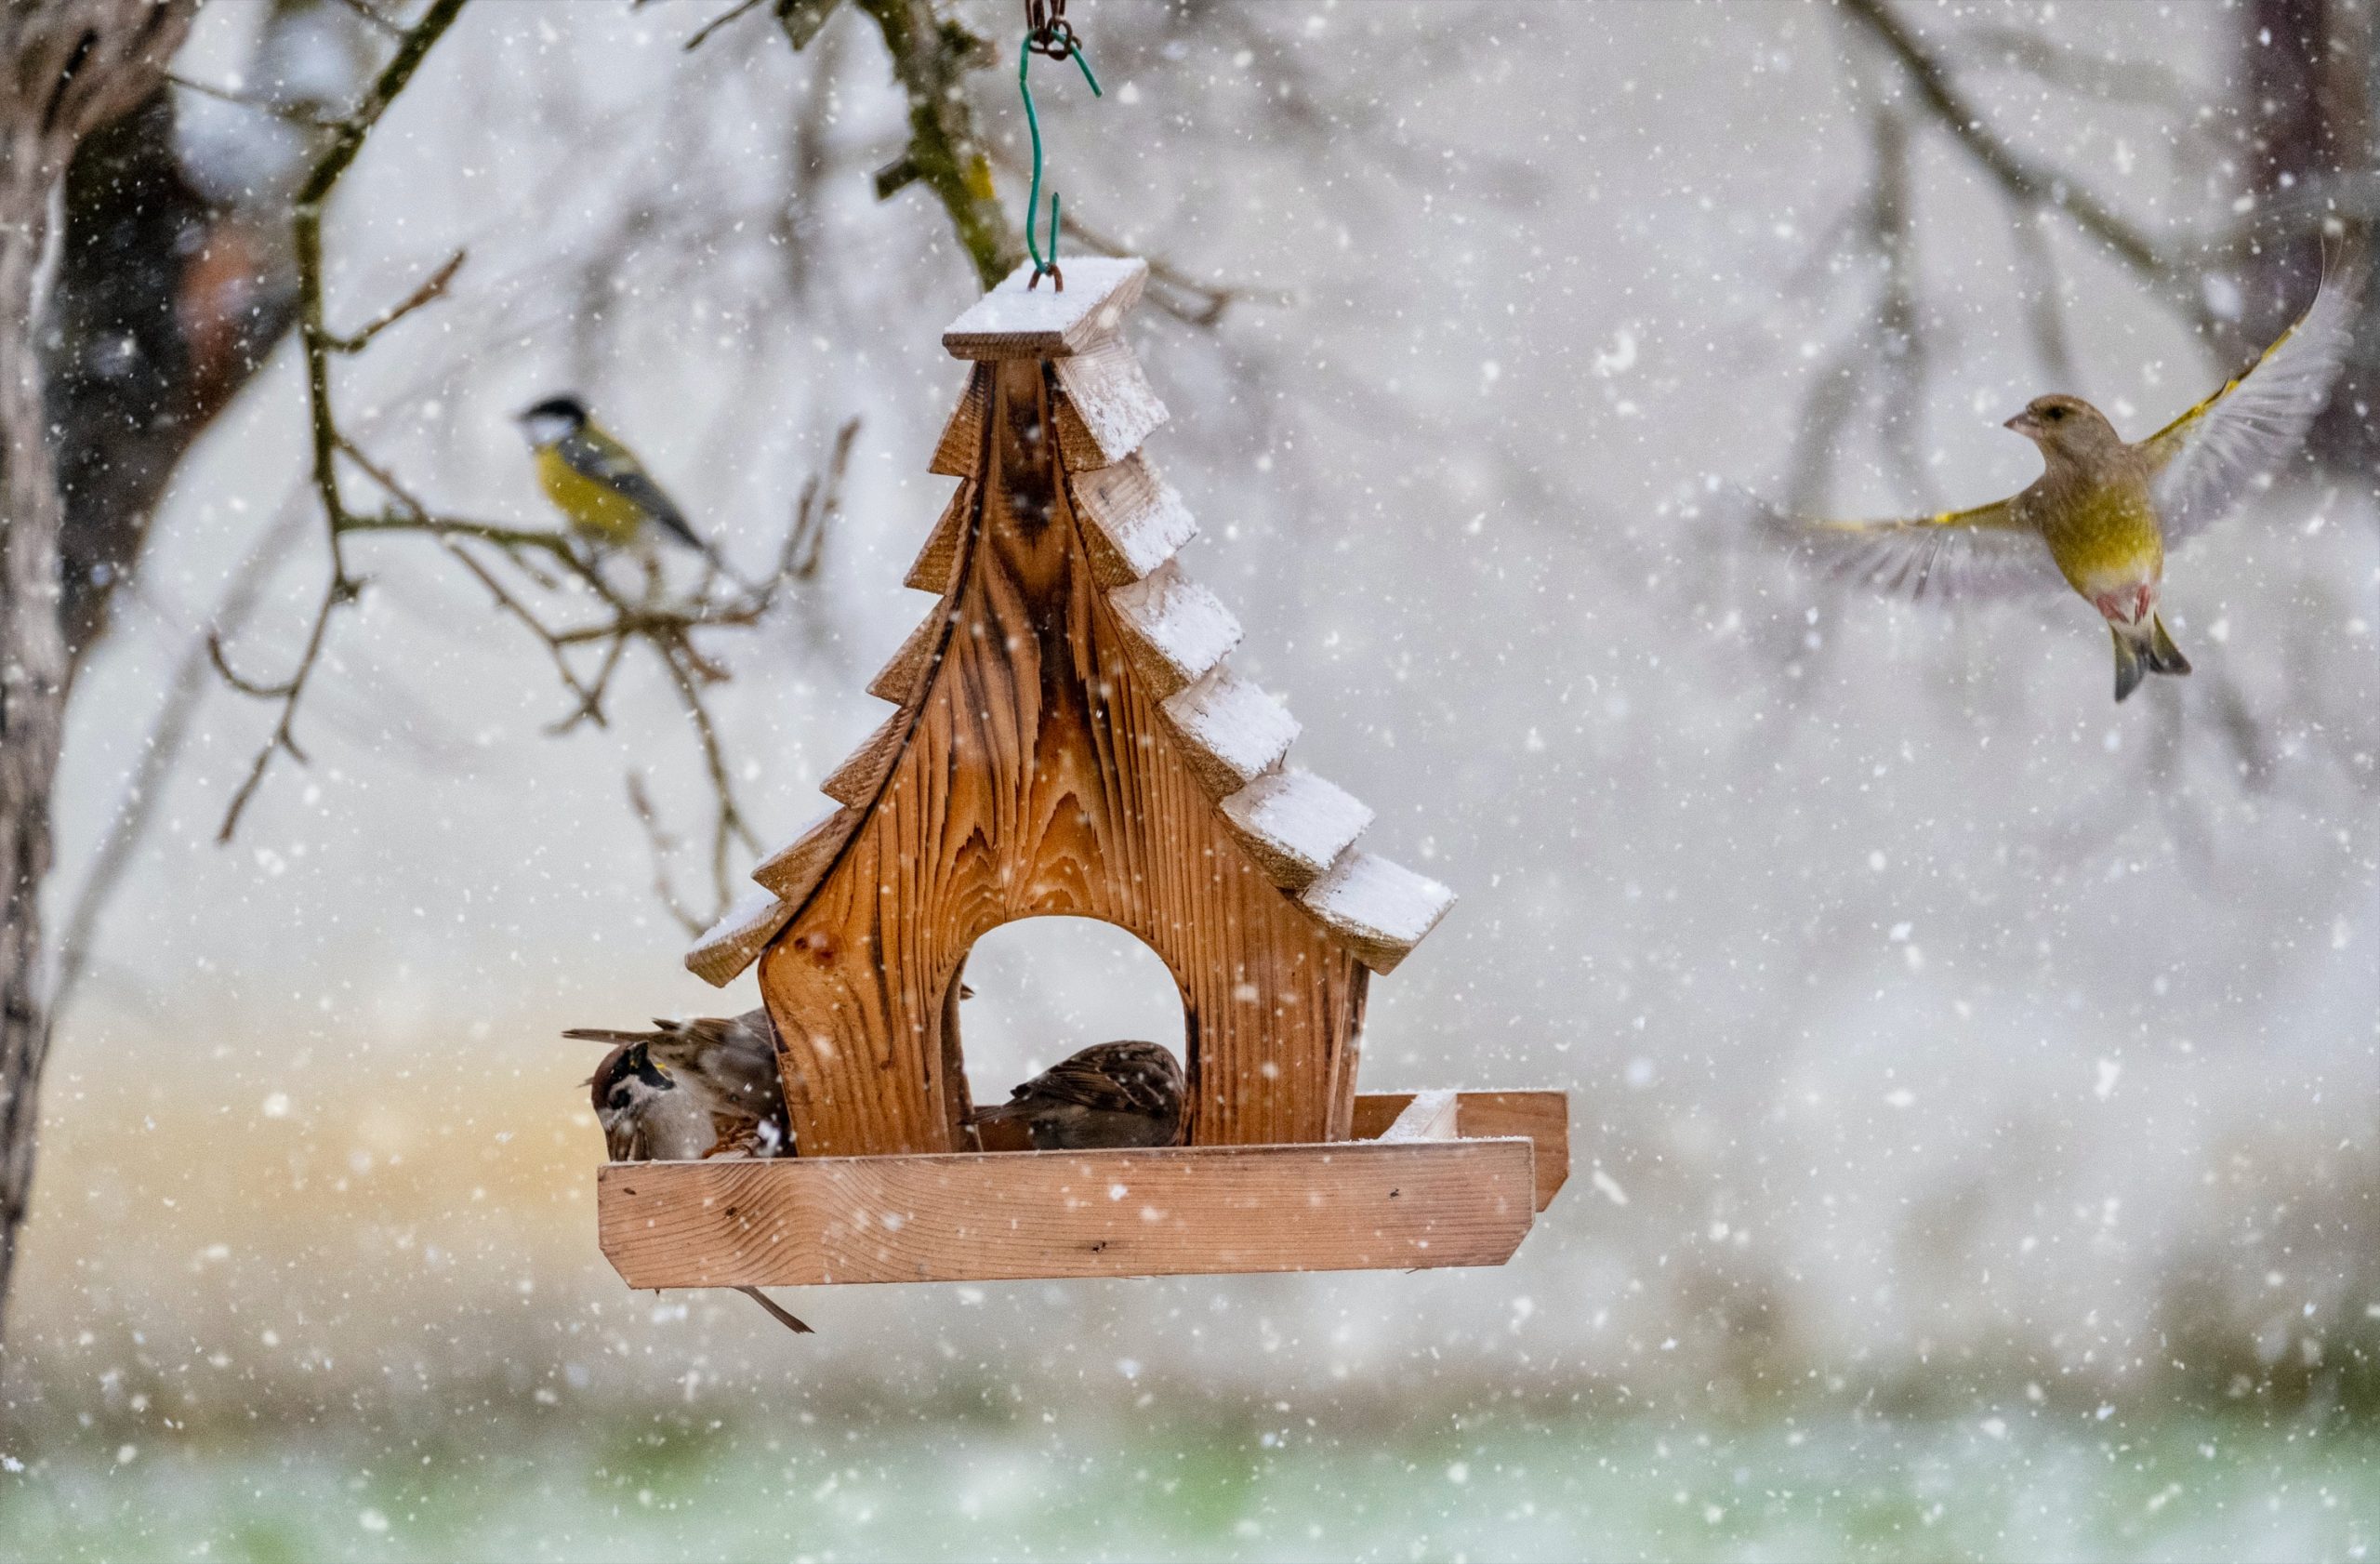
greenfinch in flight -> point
(597, 482)
(2099, 518)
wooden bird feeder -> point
(1067, 740)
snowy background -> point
(1944, 1042)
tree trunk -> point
(66, 67)
(163, 307)
(2304, 95)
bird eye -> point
(2054, 414)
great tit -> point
(597, 482)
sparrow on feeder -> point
(690, 1090)
(2099, 517)
(1109, 1095)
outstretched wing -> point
(596, 455)
(2207, 460)
(1988, 552)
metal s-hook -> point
(1047, 32)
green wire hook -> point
(1060, 42)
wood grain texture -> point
(936, 565)
(1003, 1216)
(1132, 520)
(1543, 1116)
(1019, 320)
(962, 437)
(1105, 404)
(1037, 778)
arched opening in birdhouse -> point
(1043, 989)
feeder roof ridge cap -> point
(1014, 321)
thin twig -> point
(434, 288)
(231, 677)
(665, 846)
(289, 111)
(315, 340)
(2019, 175)
(713, 25)
(373, 17)
(814, 516)
(2122, 81)
(175, 716)
(1176, 291)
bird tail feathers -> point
(2141, 651)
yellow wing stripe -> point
(2194, 414)
(2000, 515)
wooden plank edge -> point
(1144, 609)
(794, 870)
(855, 783)
(1539, 1113)
(904, 673)
(1230, 731)
(1134, 521)
(960, 448)
(1106, 408)
(740, 936)
(936, 566)
(1379, 909)
(1417, 1205)
(1429, 1116)
(1251, 816)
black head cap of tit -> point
(557, 407)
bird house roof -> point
(1297, 830)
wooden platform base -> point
(1435, 1178)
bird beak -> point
(2024, 424)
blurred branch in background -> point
(161, 751)
(2019, 176)
(314, 337)
(932, 57)
(518, 567)
(1171, 289)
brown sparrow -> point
(693, 1089)
(1111, 1094)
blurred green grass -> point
(893, 1483)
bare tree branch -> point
(434, 288)
(932, 57)
(2024, 180)
(715, 24)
